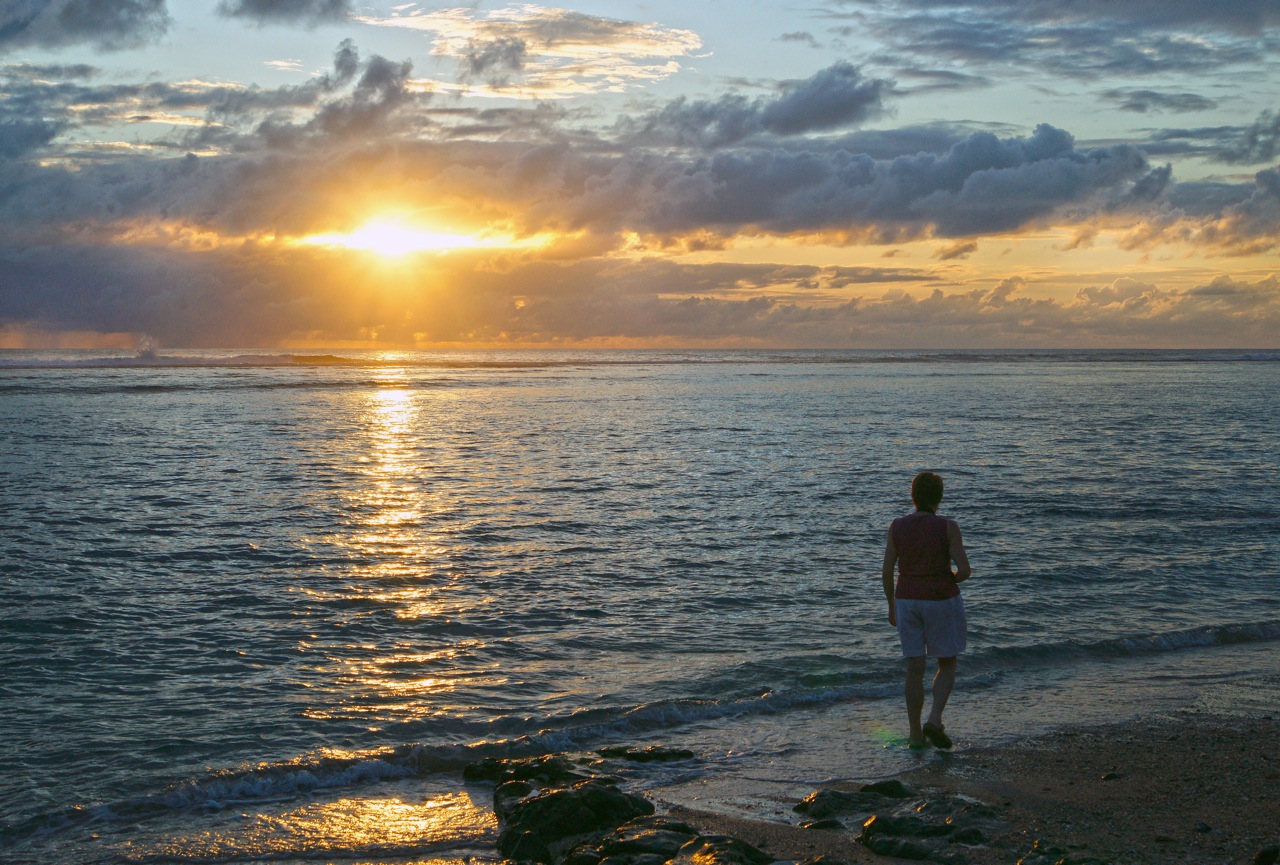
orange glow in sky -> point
(396, 239)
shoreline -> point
(1192, 787)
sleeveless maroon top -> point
(924, 558)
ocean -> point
(263, 606)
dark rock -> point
(826, 803)
(905, 826)
(656, 821)
(1112, 776)
(828, 823)
(893, 788)
(505, 796)
(553, 816)
(635, 859)
(1042, 854)
(720, 850)
(1267, 856)
(642, 840)
(902, 848)
(1203, 828)
(583, 854)
(968, 835)
(544, 770)
(653, 753)
(524, 846)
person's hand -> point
(893, 614)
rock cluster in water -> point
(556, 812)
(897, 822)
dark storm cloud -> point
(113, 25)
(1082, 40)
(287, 11)
(838, 96)
(22, 135)
(1142, 101)
(1087, 51)
(1247, 17)
(1259, 142)
(982, 184)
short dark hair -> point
(926, 491)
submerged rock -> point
(538, 825)
(544, 770)
(1267, 856)
(653, 753)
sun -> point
(393, 239)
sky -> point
(826, 174)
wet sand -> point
(1195, 788)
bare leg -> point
(943, 682)
(915, 700)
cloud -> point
(111, 26)
(1257, 143)
(836, 97)
(37, 107)
(959, 249)
(263, 296)
(1083, 41)
(495, 60)
(1142, 101)
(1233, 219)
(536, 51)
(310, 12)
(983, 184)
(933, 80)
(802, 37)
(1245, 17)
(1234, 145)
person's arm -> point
(957, 551)
(886, 572)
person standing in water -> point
(925, 604)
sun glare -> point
(392, 239)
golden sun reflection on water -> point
(389, 507)
(372, 828)
(399, 567)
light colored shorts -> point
(933, 628)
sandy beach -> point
(1194, 788)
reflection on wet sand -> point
(436, 827)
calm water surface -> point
(273, 603)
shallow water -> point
(244, 583)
